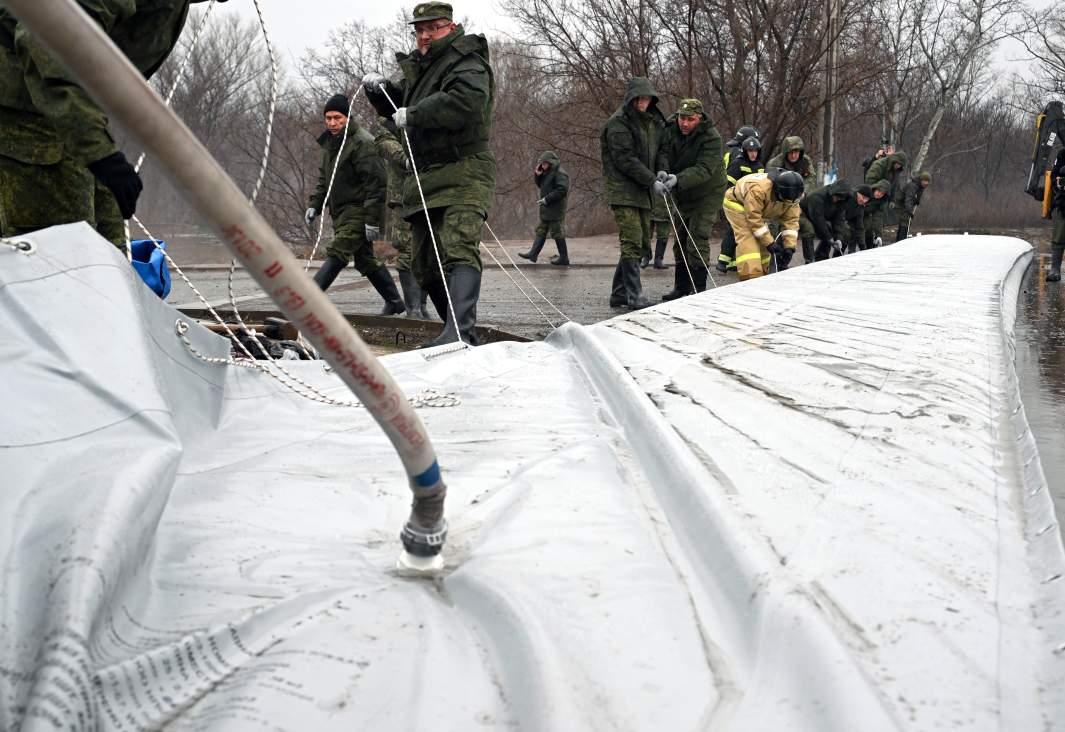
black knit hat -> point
(866, 191)
(337, 103)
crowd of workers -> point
(59, 163)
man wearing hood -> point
(907, 199)
(875, 210)
(445, 101)
(356, 202)
(58, 160)
(826, 209)
(628, 144)
(792, 156)
(691, 153)
(887, 168)
(552, 184)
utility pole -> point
(827, 126)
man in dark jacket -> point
(58, 160)
(552, 183)
(854, 218)
(1057, 213)
(873, 216)
(356, 202)
(826, 207)
(792, 156)
(907, 199)
(628, 148)
(691, 163)
(732, 147)
(445, 101)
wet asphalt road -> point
(581, 290)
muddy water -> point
(1040, 334)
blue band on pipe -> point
(430, 477)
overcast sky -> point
(295, 26)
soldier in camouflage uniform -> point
(792, 156)
(628, 148)
(445, 102)
(58, 161)
(392, 151)
(907, 199)
(691, 151)
(552, 184)
(356, 202)
(875, 209)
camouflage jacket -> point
(360, 178)
(629, 149)
(44, 114)
(697, 161)
(449, 94)
(802, 166)
(553, 186)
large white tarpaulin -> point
(807, 502)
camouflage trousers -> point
(34, 197)
(555, 229)
(634, 230)
(873, 228)
(458, 241)
(399, 231)
(349, 243)
(695, 251)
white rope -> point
(691, 239)
(428, 221)
(523, 292)
(17, 244)
(680, 247)
(522, 273)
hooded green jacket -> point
(697, 161)
(884, 168)
(802, 166)
(361, 178)
(908, 197)
(876, 207)
(828, 216)
(449, 94)
(44, 114)
(628, 146)
(554, 188)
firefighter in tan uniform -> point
(750, 205)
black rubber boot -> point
(681, 284)
(562, 260)
(411, 293)
(423, 312)
(902, 233)
(436, 293)
(645, 260)
(1054, 273)
(823, 251)
(534, 251)
(617, 289)
(721, 266)
(464, 283)
(630, 278)
(807, 250)
(699, 275)
(660, 253)
(328, 272)
(386, 288)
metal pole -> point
(81, 45)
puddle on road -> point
(1040, 333)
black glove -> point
(121, 179)
(784, 258)
(775, 248)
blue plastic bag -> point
(151, 266)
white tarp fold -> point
(808, 502)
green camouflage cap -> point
(690, 106)
(430, 11)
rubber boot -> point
(1054, 274)
(630, 277)
(902, 233)
(386, 288)
(699, 275)
(645, 260)
(328, 272)
(411, 293)
(660, 252)
(534, 251)
(823, 251)
(617, 289)
(464, 283)
(423, 312)
(435, 291)
(562, 260)
(681, 284)
(721, 266)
